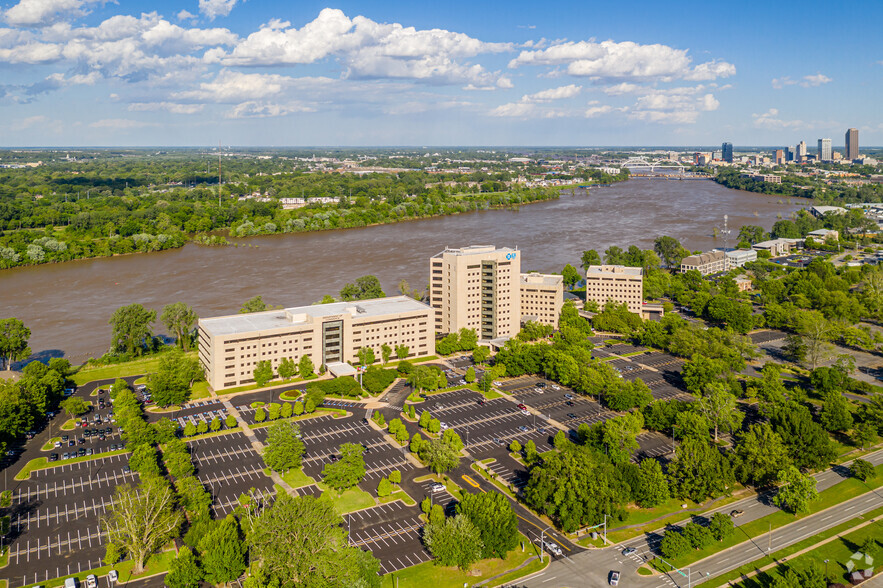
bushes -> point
(376, 379)
(399, 431)
(337, 387)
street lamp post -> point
(826, 570)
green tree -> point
(395, 477)
(286, 368)
(174, 377)
(287, 410)
(699, 471)
(796, 491)
(467, 339)
(530, 452)
(260, 415)
(485, 383)
(669, 250)
(621, 436)
(223, 552)
(179, 319)
(470, 375)
(808, 445)
(863, 434)
(255, 304)
(588, 258)
(166, 429)
(515, 446)
(185, 571)
(454, 542)
(347, 471)
(189, 430)
(697, 535)
(440, 456)
(835, 414)
(366, 355)
(144, 461)
(759, 455)
(719, 407)
(861, 469)
(674, 544)
(131, 328)
(230, 421)
(273, 410)
(305, 366)
(571, 276)
(75, 406)
(385, 353)
(364, 288)
(402, 351)
(701, 371)
(816, 332)
(140, 520)
(481, 354)
(652, 489)
(14, 337)
(497, 524)
(425, 417)
(304, 538)
(202, 426)
(721, 526)
(263, 373)
(384, 487)
(284, 448)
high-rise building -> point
(779, 156)
(852, 144)
(825, 150)
(621, 284)
(727, 149)
(801, 151)
(790, 153)
(476, 287)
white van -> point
(70, 583)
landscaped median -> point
(831, 549)
(158, 563)
(42, 463)
(845, 490)
(521, 561)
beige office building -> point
(618, 283)
(476, 287)
(706, 263)
(542, 296)
(231, 346)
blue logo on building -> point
(511, 255)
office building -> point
(779, 156)
(727, 151)
(790, 153)
(776, 247)
(852, 144)
(705, 263)
(621, 284)
(801, 151)
(825, 151)
(739, 257)
(476, 287)
(230, 347)
(542, 296)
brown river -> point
(67, 306)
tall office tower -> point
(852, 144)
(789, 153)
(727, 149)
(476, 287)
(779, 156)
(825, 150)
(801, 151)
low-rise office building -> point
(542, 296)
(619, 283)
(824, 235)
(230, 347)
(739, 257)
(713, 262)
(776, 247)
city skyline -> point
(80, 72)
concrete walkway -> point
(257, 445)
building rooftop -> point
(615, 269)
(474, 250)
(542, 279)
(704, 258)
(826, 209)
(302, 315)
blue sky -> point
(88, 72)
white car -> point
(553, 548)
(113, 576)
(444, 426)
(525, 413)
(555, 387)
(437, 488)
(91, 581)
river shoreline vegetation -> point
(120, 203)
(801, 186)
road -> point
(592, 567)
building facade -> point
(542, 296)
(727, 152)
(476, 287)
(739, 257)
(801, 151)
(851, 144)
(619, 283)
(230, 347)
(776, 247)
(825, 151)
(705, 263)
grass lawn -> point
(350, 500)
(257, 404)
(779, 555)
(335, 412)
(296, 478)
(69, 425)
(428, 574)
(6, 499)
(199, 390)
(145, 365)
(50, 445)
(156, 564)
(42, 463)
(849, 488)
(211, 434)
(398, 495)
(272, 384)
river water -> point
(67, 306)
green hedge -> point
(376, 379)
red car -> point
(522, 407)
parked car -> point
(521, 407)
(113, 576)
(91, 581)
(53, 457)
(437, 487)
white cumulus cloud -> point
(215, 8)
(38, 13)
(771, 120)
(172, 107)
(559, 93)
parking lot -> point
(391, 532)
